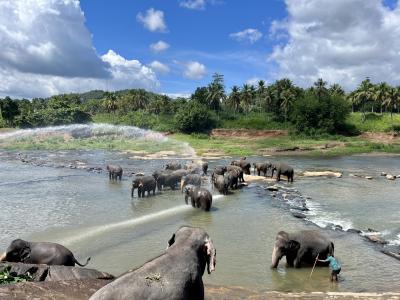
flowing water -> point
(95, 217)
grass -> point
(375, 122)
(252, 121)
(244, 147)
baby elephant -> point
(199, 197)
(261, 167)
(40, 253)
(283, 169)
(114, 172)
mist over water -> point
(98, 218)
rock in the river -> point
(298, 215)
(390, 177)
(322, 174)
(383, 173)
(352, 230)
(376, 239)
(273, 188)
(392, 254)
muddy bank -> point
(83, 289)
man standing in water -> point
(334, 265)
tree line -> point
(316, 109)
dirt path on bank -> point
(247, 133)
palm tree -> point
(110, 102)
(288, 98)
(247, 96)
(261, 93)
(363, 94)
(392, 100)
(140, 99)
(381, 93)
(320, 89)
(234, 98)
(216, 91)
(337, 90)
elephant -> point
(301, 248)
(262, 167)
(114, 172)
(194, 179)
(282, 169)
(173, 165)
(218, 170)
(40, 253)
(157, 173)
(174, 275)
(238, 170)
(204, 167)
(199, 197)
(221, 183)
(245, 165)
(170, 180)
(144, 184)
(232, 178)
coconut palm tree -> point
(110, 102)
(363, 94)
(288, 98)
(336, 89)
(140, 99)
(320, 89)
(392, 101)
(216, 91)
(235, 98)
(247, 96)
(381, 93)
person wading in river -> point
(334, 265)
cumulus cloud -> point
(194, 70)
(193, 4)
(341, 41)
(41, 37)
(249, 35)
(153, 20)
(159, 67)
(159, 46)
(46, 50)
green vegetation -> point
(7, 278)
(374, 122)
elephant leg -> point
(193, 202)
(109, 175)
(132, 190)
(259, 172)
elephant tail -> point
(79, 264)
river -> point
(95, 217)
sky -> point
(173, 46)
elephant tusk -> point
(3, 256)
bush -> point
(194, 117)
(314, 117)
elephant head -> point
(188, 191)
(284, 246)
(18, 251)
(195, 238)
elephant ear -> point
(293, 245)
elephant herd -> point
(177, 273)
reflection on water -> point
(95, 217)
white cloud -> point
(40, 36)
(46, 49)
(153, 20)
(341, 41)
(159, 67)
(159, 46)
(254, 81)
(194, 70)
(249, 35)
(193, 4)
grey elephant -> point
(218, 170)
(243, 163)
(171, 180)
(144, 184)
(194, 179)
(175, 275)
(238, 170)
(283, 169)
(173, 165)
(262, 167)
(40, 253)
(199, 197)
(114, 172)
(221, 184)
(301, 248)
(232, 177)
(204, 167)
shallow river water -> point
(95, 217)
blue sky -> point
(174, 46)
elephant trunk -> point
(276, 256)
(182, 184)
(3, 256)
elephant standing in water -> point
(40, 253)
(174, 275)
(262, 167)
(199, 197)
(194, 179)
(173, 165)
(144, 184)
(301, 248)
(221, 183)
(244, 164)
(283, 169)
(114, 172)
